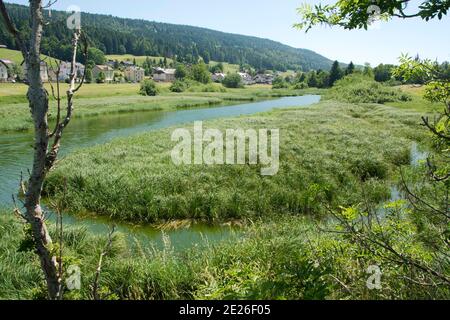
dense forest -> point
(115, 35)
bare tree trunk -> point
(38, 100)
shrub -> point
(178, 86)
(233, 81)
(200, 73)
(360, 89)
(279, 83)
(181, 72)
(212, 88)
(101, 78)
(148, 88)
(300, 85)
(368, 167)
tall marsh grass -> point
(282, 258)
(325, 152)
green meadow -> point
(15, 55)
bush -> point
(178, 86)
(300, 85)
(101, 78)
(200, 73)
(148, 88)
(212, 88)
(181, 72)
(232, 81)
(367, 168)
(360, 89)
(279, 83)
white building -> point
(3, 72)
(218, 77)
(246, 78)
(6, 68)
(107, 71)
(134, 74)
(65, 70)
(263, 79)
(164, 75)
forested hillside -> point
(138, 37)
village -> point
(113, 71)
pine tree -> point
(335, 73)
(350, 68)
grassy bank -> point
(289, 259)
(417, 102)
(98, 99)
(326, 150)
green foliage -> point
(16, 71)
(383, 73)
(312, 79)
(210, 87)
(369, 167)
(323, 79)
(300, 85)
(178, 86)
(355, 14)
(200, 73)
(283, 258)
(96, 56)
(181, 72)
(368, 70)
(101, 77)
(88, 76)
(360, 89)
(217, 68)
(279, 83)
(233, 80)
(148, 88)
(350, 69)
(335, 73)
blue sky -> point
(273, 19)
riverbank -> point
(331, 153)
(327, 150)
(287, 259)
(101, 99)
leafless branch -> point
(62, 124)
(105, 251)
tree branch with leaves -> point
(359, 14)
(426, 220)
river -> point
(16, 156)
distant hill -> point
(145, 38)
